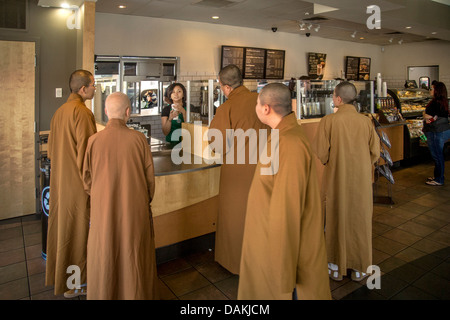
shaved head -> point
(346, 91)
(278, 97)
(117, 104)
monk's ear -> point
(266, 109)
(106, 111)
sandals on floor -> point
(433, 183)
(358, 276)
(333, 272)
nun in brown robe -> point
(68, 222)
(347, 144)
(119, 175)
(284, 244)
(238, 112)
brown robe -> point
(284, 244)
(119, 175)
(68, 222)
(235, 179)
(347, 144)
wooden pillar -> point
(86, 39)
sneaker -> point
(73, 293)
(433, 183)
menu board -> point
(357, 68)
(233, 55)
(274, 64)
(316, 64)
(351, 68)
(255, 63)
(364, 69)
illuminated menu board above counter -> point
(255, 63)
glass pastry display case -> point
(413, 101)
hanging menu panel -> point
(274, 64)
(254, 63)
(233, 55)
(351, 68)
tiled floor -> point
(411, 245)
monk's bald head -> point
(78, 79)
(278, 97)
(116, 105)
(346, 91)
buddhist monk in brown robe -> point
(68, 222)
(284, 243)
(119, 175)
(238, 112)
(347, 144)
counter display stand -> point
(383, 169)
(412, 103)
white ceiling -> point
(427, 19)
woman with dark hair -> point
(437, 130)
(174, 114)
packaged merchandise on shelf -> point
(415, 127)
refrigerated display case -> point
(138, 78)
(412, 104)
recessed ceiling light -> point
(65, 5)
(408, 27)
(434, 32)
(215, 17)
(361, 38)
(122, 7)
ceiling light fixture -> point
(391, 39)
(353, 34)
(361, 38)
(65, 5)
(434, 32)
(401, 41)
(317, 28)
(215, 17)
(408, 27)
(122, 7)
(302, 26)
(310, 26)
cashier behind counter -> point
(174, 114)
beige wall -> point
(397, 58)
(198, 44)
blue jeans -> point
(436, 141)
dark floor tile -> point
(412, 293)
(390, 264)
(229, 287)
(13, 272)
(428, 246)
(11, 244)
(427, 262)
(364, 293)
(12, 257)
(390, 286)
(11, 233)
(442, 253)
(207, 293)
(13, 290)
(172, 266)
(185, 281)
(213, 271)
(443, 270)
(434, 285)
(387, 245)
(407, 272)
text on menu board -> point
(255, 63)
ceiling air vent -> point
(215, 3)
(13, 14)
(316, 19)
